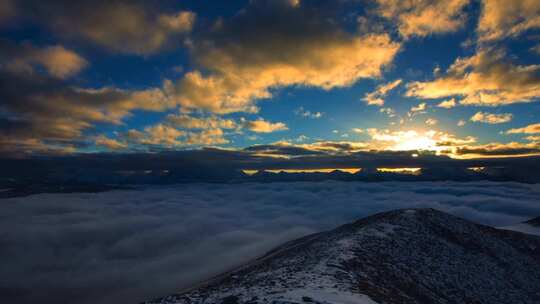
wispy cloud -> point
(376, 97)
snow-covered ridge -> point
(403, 256)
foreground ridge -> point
(402, 256)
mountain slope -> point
(403, 256)
(531, 226)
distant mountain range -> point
(102, 179)
(403, 256)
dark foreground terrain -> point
(403, 256)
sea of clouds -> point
(126, 246)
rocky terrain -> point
(403, 256)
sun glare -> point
(413, 140)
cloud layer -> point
(127, 246)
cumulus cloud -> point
(376, 97)
(56, 60)
(262, 126)
(447, 104)
(122, 26)
(491, 118)
(425, 17)
(256, 51)
(486, 79)
(132, 245)
(530, 129)
(501, 19)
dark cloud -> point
(140, 27)
(42, 107)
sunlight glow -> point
(400, 170)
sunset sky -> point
(458, 77)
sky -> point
(457, 78)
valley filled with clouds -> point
(138, 244)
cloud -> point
(52, 112)
(500, 19)
(109, 143)
(431, 121)
(122, 26)
(530, 129)
(159, 134)
(421, 107)
(447, 104)
(206, 138)
(42, 106)
(94, 247)
(533, 138)
(376, 97)
(190, 122)
(407, 140)
(423, 18)
(23, 58)
(262, 126)
(162, 136)
(490, 118)
(485, 79)
(308, 114)
(388, 111)
(497, 150)
(247, 56)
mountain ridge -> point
(401, 256)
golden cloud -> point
(109, 143)
(262, 126)
(424, 17)
(530, 129)
(245, 57)
(163, 135)
(447, 104)
(376, 97)
(58, 61)
(486, 79)
(190, 122)
(500, 18)
(490, 118)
